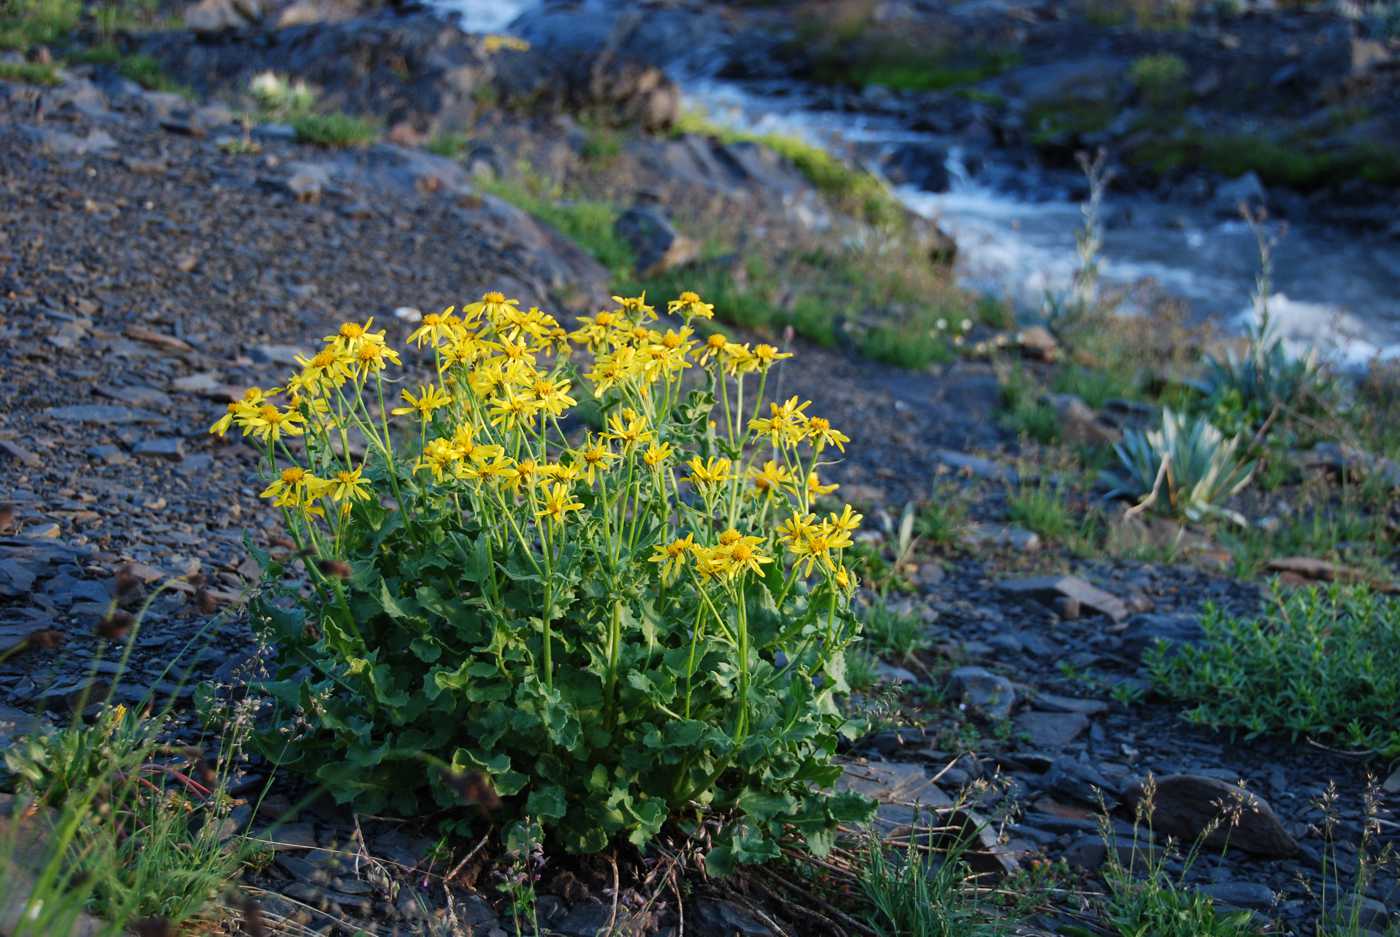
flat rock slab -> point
(1070, 587)
(1049, 731)
(1186, 805)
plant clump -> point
(598, 631)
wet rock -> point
(1184, 805)
(1245, 190)
(1087, 595)
(1050, 702)
(982, 692)
(918, 164)
(655, 243)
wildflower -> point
(635, 306)
(739, 359)
(349, 487)
(657, 454)
(296, 488)
(242, 410)
(689, 305)
(628, 428)
(557, 503)
(845, 523)
(372, 354)
(815, 488)
(941, 325)
(494, 306)
(714, 471)
(552, 396)
(430, 397)
(438, 456)
(738, 555)
(593, 458)
(965, 325)
(771, 478)
(847, 579)
(767, 356)
(796, 528)
(270, 424)
(820, 434)
(784, 424)
(437, 328)
(596, 330)
(513, 411)
(713, 346)
(672, 555)
(323, 372)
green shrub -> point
(1159, 79)
(337, 131)
(28, 23)
(1191, 465)
(34, 73)
(608, 633)
(1322, 666)
(894, 635)
(943, 518)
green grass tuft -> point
(336, 131)
(34, 73)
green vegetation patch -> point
(34, 73)
(1322, 665)
(28, 23)
(337, 131)
(1277, 162)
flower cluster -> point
(581, 521)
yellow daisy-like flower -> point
(815, 488)
(349, 486)
(795, 529)
(270, 424)
(437, 458)
(629, 428)
(323, 372)
(593, 458)
(557, 503)
(770, 479)
(297, 488)
(767, 356)
(494, 306)
(437, 328)
(714, 345)
(714, 471)
(821, 434)
(635, 307)
(785, 423)
(242, 410)
(672, 556)
(846, 523)
(430, 397)
(513, 411)
(737, 554)
(739, 359)
(691, 306)
(552, 396)
(372, 355)
(656, 454)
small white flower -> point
(941, 324)
(967, 325)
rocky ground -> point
(151, 266)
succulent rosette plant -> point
(613, 627)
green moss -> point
(1276, 162)
(912, 69)
(33, 73)
(905, 346)
(852, 189)
(338, 131)
(1053, 122)
(1160, 79)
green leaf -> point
(547, 802)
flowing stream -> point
(1336, 289)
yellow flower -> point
(739, 359)
(323, 372)
(767, 356)
(513, 411)
(816, 489)
(657, 454)
(296, 488)
(846, 579)
(672, 555)
(557, 503)
(820, 434)
(635, 306)
(430, 397)
(771, 478)
(597, 330)
(437, 328)
(593, 458)
(372, 354)
(690, 306)
(270, 424)
(349, 335)
(785, 423)
(349, 486)
(242, 410)
(736, 554)
(552, 396)
(438, 456)
(629, 428)
(714, 471)
(795, 529)
(846, 523)
(713, 346)
(494, 306)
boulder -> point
(1079, 423)
(918, 164)
(216, 16)
(1245, 190)
(656, 244)
(1189, 806)
(982, 692)
(1072, 587)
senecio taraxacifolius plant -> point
(618, 628)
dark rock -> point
(918, 164)
(1089, 853)
(1146, 629)
(976, 466)
(100, 413)
(982, 692)
(162, 447)
(62, 143)
(717, 916)
(656, 245)
(1248, 895)
(1246, 190)
(1185, 805)
(1051, 731)
(1079, 423)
